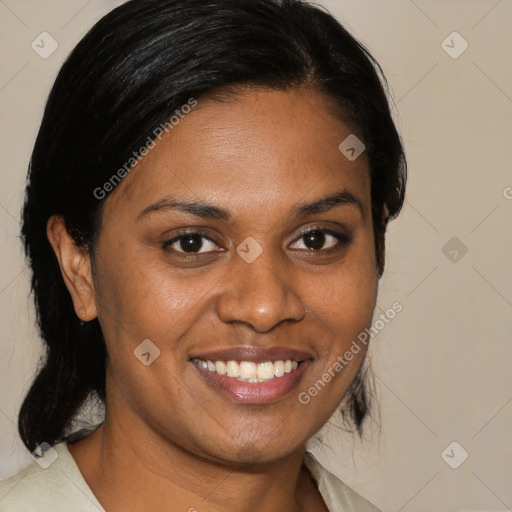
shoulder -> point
(337, 495)
(52, 484)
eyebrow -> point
(208, 211)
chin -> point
(254, 453)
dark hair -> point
(128, 75)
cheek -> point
(135, 296)
(139, 302)
(345, 298)
(342, 307)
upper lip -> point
(253, 354)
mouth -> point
(251, 374)
(248, 371)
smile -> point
(248, 371)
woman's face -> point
(263, 282)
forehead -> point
(256, 149)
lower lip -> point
(254, 392)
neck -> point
(128, 466)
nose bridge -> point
(258, 293)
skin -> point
(169, 441)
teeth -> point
(279, 368)
(247, 371)
(233, 369)
(220, 367)
(265, 370)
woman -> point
(204, 218)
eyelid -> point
(190, 231)
(330, 231)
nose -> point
(259, 294)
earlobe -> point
(75, 266)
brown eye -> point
(315, 239)
(190, 243)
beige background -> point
(443, 364)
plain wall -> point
(442, 364)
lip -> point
(254, 354)
(257, 392)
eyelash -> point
(343, 240)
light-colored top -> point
(60, 487)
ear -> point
(75, 266)
(380, 250)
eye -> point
(315, 238)
(190, 242)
